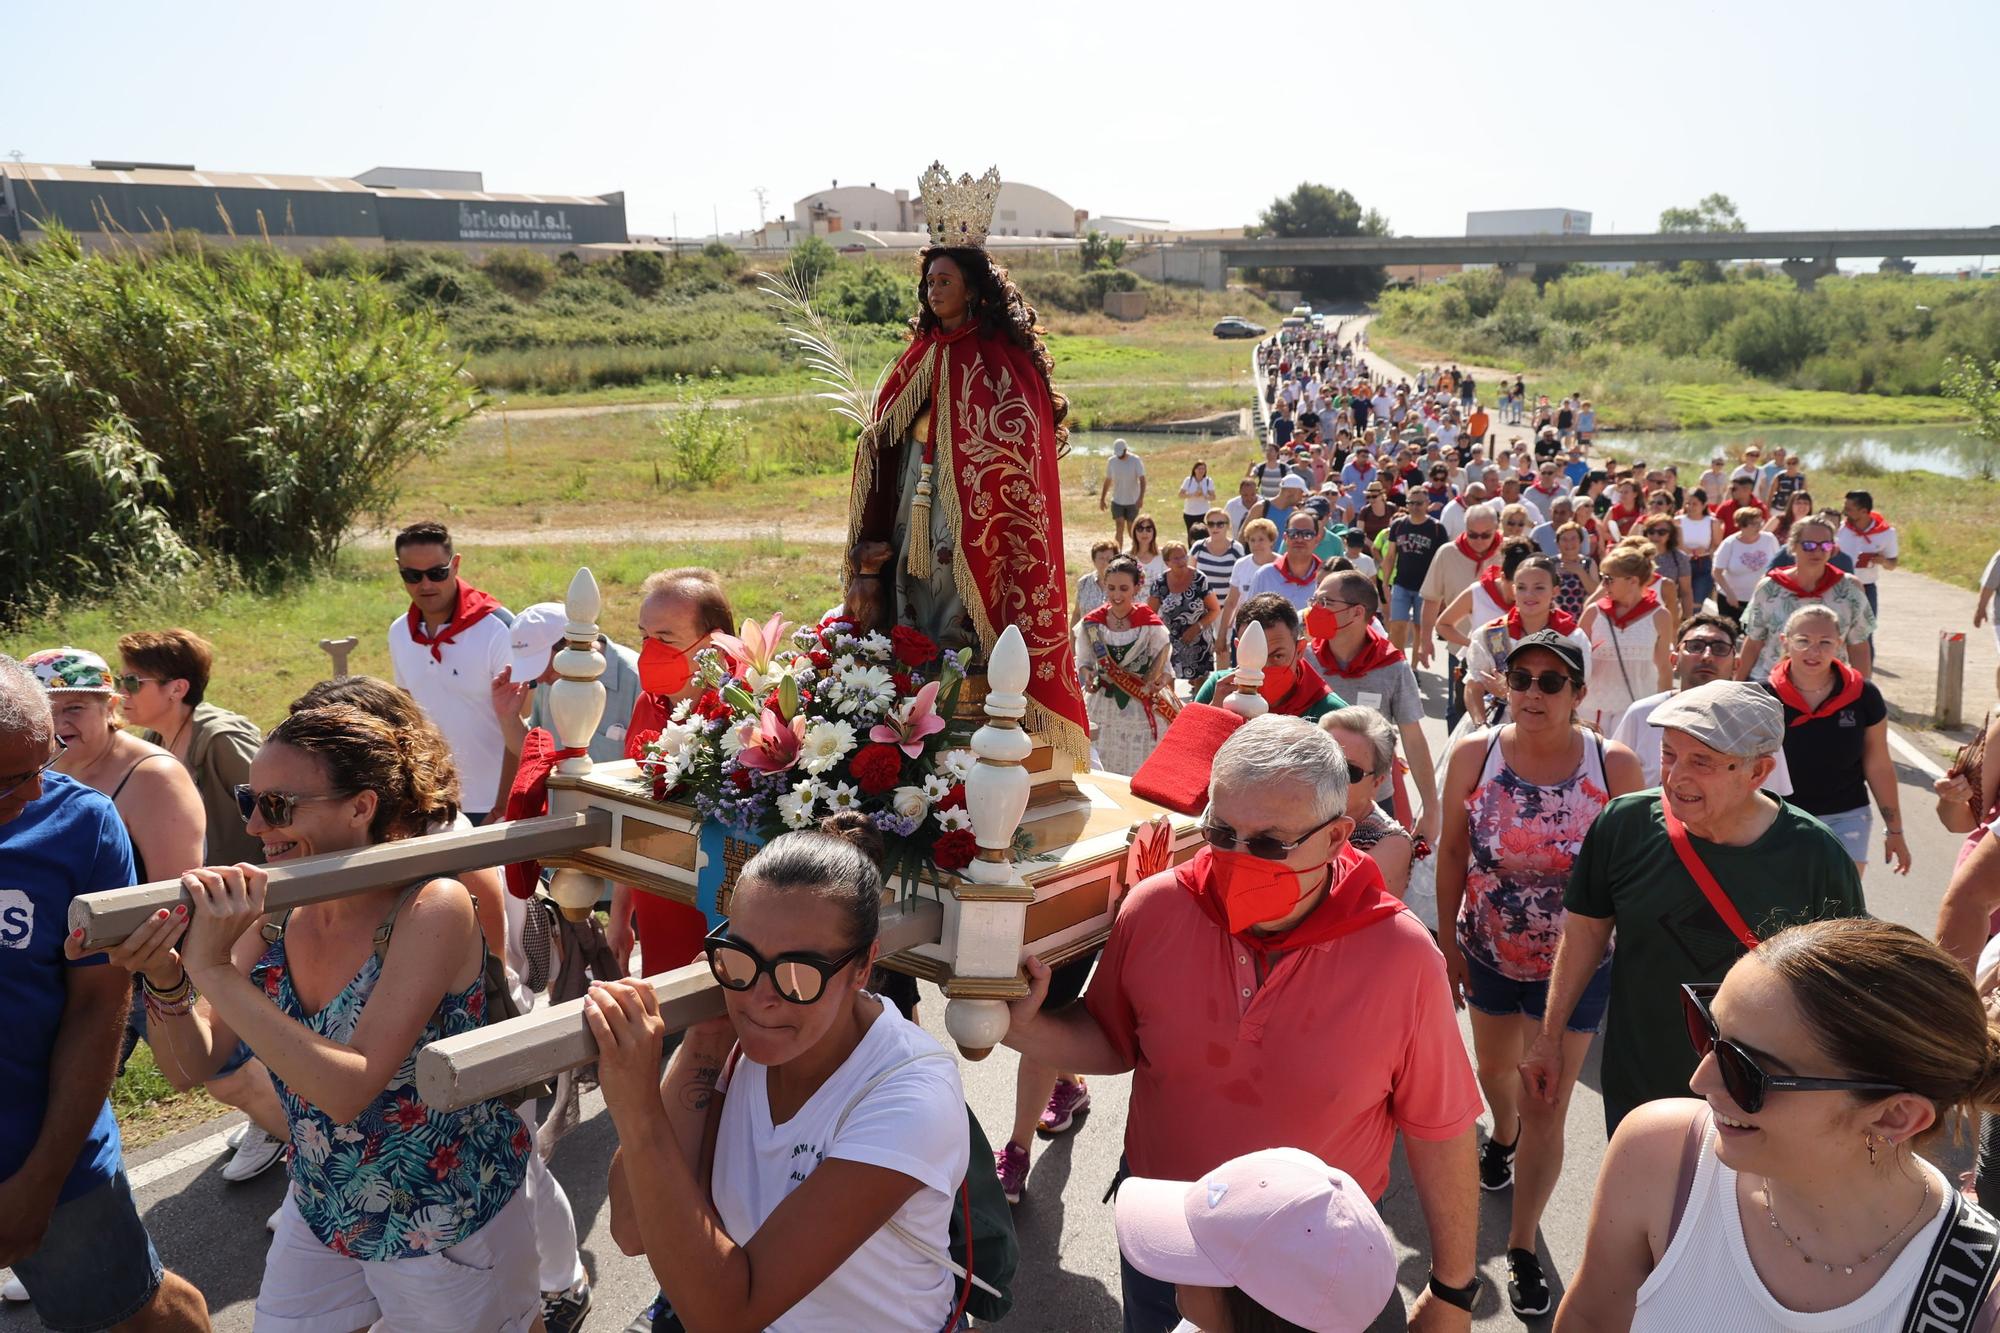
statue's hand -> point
(869, 557)
(865, 603)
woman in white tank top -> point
(1831, 1055)
(1630, 634)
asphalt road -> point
(213, 1232)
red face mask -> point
(1254, 890)
(1322, 622)
(1278, 682)
(663, 668)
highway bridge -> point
(1805, 255)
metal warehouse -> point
(122, 202)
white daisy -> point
(875, 645)
(844, 796)
(936, 786)
(796, 810)
(958, 763)
(810, 789)
(956, 817)
(825, 745)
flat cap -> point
(1732, 716)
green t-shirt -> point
(1205, 694)
(1668, 934)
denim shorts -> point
(1405, 603)
(1854, 828)
(96, 1266)
(1503, 997)
(1126, 512)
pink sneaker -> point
(1066, 1103)
(1011, 1165)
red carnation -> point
(711, 706)
(955, 798)
(905, 682)
(876, 767)
(913, 648)
(640, 740)
(955, 850)
(820, 660)
(741, 777)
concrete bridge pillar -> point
(1512, 270)
(1807, 272)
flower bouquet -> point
(795, 724)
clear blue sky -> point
(1826, 115)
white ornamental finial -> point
(576, 700)
(1251, 654)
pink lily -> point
(758, 644)
(771, 745)
(908, 725)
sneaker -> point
(1066, 1103)
(259, 1153)
(1496, 1164)
(240, 1133)
(564, 1311)
(1528, 1288)
(12, 1290)
(1011, 1164)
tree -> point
(1715, 213)
(1978, 387)
(1320, 210)
(1100, 251)
(811, 258)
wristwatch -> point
(1462, 1297)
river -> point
(1946, 450)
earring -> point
(1870, 1140)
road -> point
(213, 1233)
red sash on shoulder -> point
(1649, 602)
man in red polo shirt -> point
(1271, 993)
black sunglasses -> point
(1746, 1080)
(277, 807)
(436, 573)
(798, 977)
(62, 747)
(1262, 845)
(1548, 682)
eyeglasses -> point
(1356, 774)
(277, 807)
(62, 746)
(1708, 648)
(1301, 534)
(1659, 532)
(436, 573)
(131, 684)
(1262, 845)
(1747, 1082)
(1807, 544)
(1805, 643)
(798, 977)
(1548, 682)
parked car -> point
(1234, 327)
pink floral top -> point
(1524, 838)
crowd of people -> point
(1646, 824)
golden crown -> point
(958, 212)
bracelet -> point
(177, 1008)
(171, 993)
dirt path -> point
(617, 409)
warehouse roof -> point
(147, 174)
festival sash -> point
(1704, 879)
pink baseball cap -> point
(1295, 1235)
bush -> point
(523, 273)
(161, 411)
(812, 258)
(701, 442)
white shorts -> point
(484, 1284)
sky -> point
(1809, 116)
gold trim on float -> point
(921, 966)
(968, 892)
(657, 842)
(1072, 907)
(986, 988)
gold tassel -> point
(920, 561)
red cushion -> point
(1175, 775)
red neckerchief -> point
(1562, 622)
(1376, 652)
(1620, 515)
(1312, 576)
(1466, 550)
(1355, 900)
(1547, 490)
(1307, 690)
(1649, 602)
(1489, 583)
(1877, 525)
(1141, 614)
(1846, 693)
(1788, 579)
(472, 606)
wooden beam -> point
(493, 1060)
(107, 917)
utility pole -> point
(677, 235)
(715, 219)
(762, 195)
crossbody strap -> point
(1684, 848)
(1691, 1146)
(1954, 1294)
(1617, 651)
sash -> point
(1684, 848)
(1955, 1290)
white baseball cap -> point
(537, 631)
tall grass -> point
(165, 409)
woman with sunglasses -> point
(1830, 1058)
(1529, 577)
(1518, 800)
(797, 1166)
(1146, 549)
(1799, 506)
(1630, 633)
(1671, 565)
(398, 1211)
(1369, 742)
(1812, 579)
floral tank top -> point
(1524, 839)
(403, 1178)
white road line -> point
(198, 1153)
(1913, 756)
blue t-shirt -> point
(67, 841)
(1577, 472)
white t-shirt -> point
(1241, 577)
(914, 1123)
(1197, 496)
(1125, 474)
(1636, 733)
(1739, 564)
(455, 690)
(1237, 512)
(1853, 544)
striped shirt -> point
(1216, 568)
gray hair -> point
(1275, 748)
(1368, 723)
(24, 704)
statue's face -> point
(944, 288)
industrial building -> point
(110, 202)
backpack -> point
(500, 1004)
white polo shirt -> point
(1853, 543)
(456, 692)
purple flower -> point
(891, 822)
